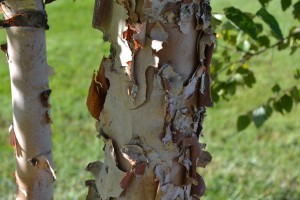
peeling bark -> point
(164, 48)
(97, 93)
(30, 133)
(92, 192)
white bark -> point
(31, 131)
(151, 117)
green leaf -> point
(295, 94)
(284, 45)
(296, 35)
(241, 20)
(285, 4)
(250, 79)
(277, 106)
(264, 2)
(227, 26)
(259, 28)
(215, 22)
(271, 21)
(276, 88)
(259, 116)
(293, 50)
(230, 36)
(297, 74)
(244, 46)
(296, 11)
(243, 122)
(230, 88)
(269, 110)
(242, 70)
(263, 41)
(215, 96)
(286, 102)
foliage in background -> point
(242, 36)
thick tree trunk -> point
(25, 21)
(152, 93)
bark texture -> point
(149, 98)
(30, 133)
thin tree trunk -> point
(30, 133)
(152, 93)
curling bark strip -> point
(154, 119)
(25, 22)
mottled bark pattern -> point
(154, 109)
(30, 132)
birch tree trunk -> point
(149, 99)
(30, 133)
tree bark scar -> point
(102, 14)
(14, 141)
(45, 95)
(4, 48)
(29, 18)
(150, 71)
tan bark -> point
(31, 131)
(152, 111)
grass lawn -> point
(251, 165)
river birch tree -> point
(149, 99)
(30, 133)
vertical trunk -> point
(152, 93)
(25, 21)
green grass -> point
(251, 165)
